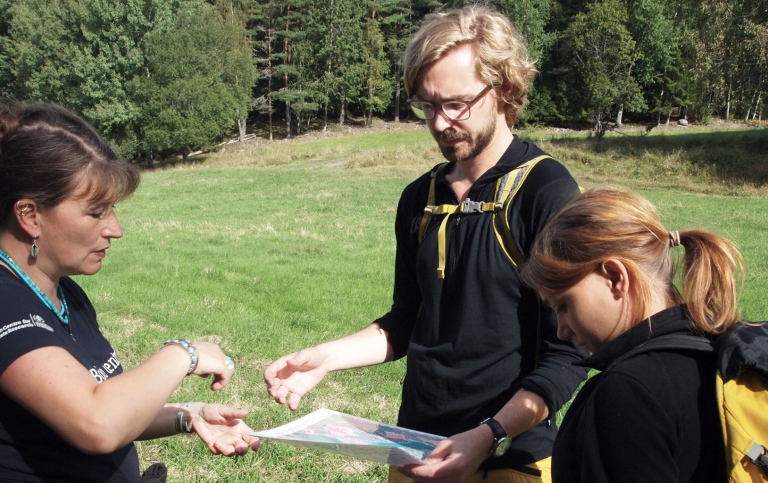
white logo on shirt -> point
(102, 373)
(40, 322)
(33, 321)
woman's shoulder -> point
(671, 376)
(15, 296)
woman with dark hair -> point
(605, 265)
(68, 410)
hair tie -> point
(674, 239)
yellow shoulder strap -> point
(506, 189)
(430, 200)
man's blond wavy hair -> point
(502, 59)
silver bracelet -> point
(190, 349)
(181, 424)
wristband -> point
(181, 424)
(190, 349)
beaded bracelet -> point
(190, 348)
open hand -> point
(291, 377)
(222, 429)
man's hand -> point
(291, 377)
(454, 459)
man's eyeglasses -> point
(453, 110)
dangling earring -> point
(33, 251)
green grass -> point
(270, 247)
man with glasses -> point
(484, 365)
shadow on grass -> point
(733, 156)
(172, 162)
(314, 126)
(260, 131)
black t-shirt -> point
(29, 450)
(474, 338)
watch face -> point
(502, 447)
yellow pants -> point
(494, 476)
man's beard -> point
(463, 152)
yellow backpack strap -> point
(506, 188)
(430, 200)
(467, 206)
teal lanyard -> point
(62, 314)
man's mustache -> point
(453, 136)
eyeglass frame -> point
(468, 106)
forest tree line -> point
(173, 76)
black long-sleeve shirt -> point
(652, 417)
(474, 338)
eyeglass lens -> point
(454, 110)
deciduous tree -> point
(198, 81)
(603, 57)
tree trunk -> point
(599, 129)
(398, 86)
(661, 101)
(287, 53)
(759, 92)
(342, 111)
(325, 119)
(288, 119)
(269, 80)
(369, 107)
(619, 115)
(241, 129)
(728, 102)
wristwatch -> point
(501, 441)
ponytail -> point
(713, 275)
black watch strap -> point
(498, 430)
(501, 440)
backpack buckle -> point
(469, 206)
(759, 456)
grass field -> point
(268, 247)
